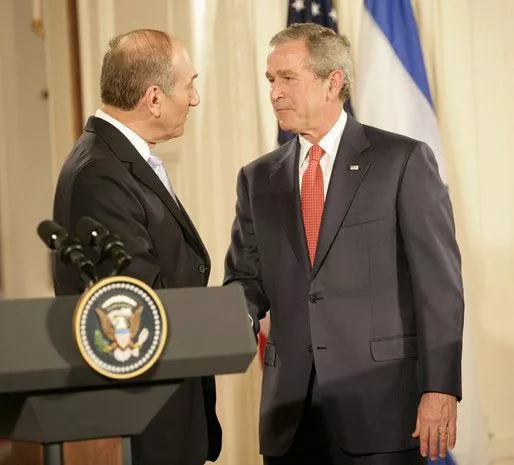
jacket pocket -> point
(370, 216)
(394, 348)
(270, 354)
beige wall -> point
(468, 48)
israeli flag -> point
(391, 86)
(392, 93)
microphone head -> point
(90, 231)
(51, 233)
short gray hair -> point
(134, 62)
(328, 51)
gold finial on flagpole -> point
(37, 19)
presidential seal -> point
(120, 327)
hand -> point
(265, 325)
(436, 425)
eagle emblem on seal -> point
(120, 332)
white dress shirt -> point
(138, 142)
(329, 143)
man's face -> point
(183, 95)
(298, 96)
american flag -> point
(311, 11)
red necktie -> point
(313, 199)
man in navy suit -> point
(112, 175)
(346, 236)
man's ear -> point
(153, 100)
(335, 84)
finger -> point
(434, 443)
(452, 433)
(443, 442)
(418, 428)
(423, 440)
(443, 432)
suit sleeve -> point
(242, 264)
(105, 193)
(428, 231)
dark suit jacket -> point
(106, 178)
(381, 311)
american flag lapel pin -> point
(354, 167)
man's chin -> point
(286, 126)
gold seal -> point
(120, 327)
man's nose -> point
(195, 99)
(276, 91)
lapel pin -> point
(354, 167)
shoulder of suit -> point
(382, 138)
(90, 154)
(271, 158)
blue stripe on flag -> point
(397, 22)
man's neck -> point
(130, 118)
(329, 118)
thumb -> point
(418, 427)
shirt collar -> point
(137, 141)
(330, 141)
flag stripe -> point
(385, 93)
(397, 22)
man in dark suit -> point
(346, 235)
(112, 175)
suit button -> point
(314, 299)
(202, 269)
(309, 348)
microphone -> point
(109, 245)
(68, 249)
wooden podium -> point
(58, 411)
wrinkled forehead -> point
(290, 47)
(288, 55)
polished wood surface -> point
(98, 451)
(25, 453)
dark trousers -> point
(313, 443)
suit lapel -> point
(144, 173)
(203, 251)
(125, 151)
(286, 193)
(350, 168)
